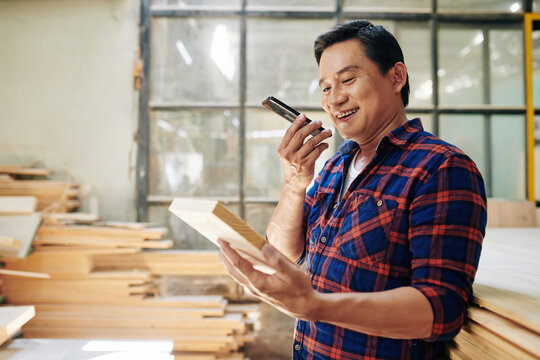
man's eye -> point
(348, 80)
(325, 90)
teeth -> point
(342, 115)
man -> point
(391, 230)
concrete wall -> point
(67, 101)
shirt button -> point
(379, 203)
(297, 347)
(323, 240)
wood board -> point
(17, 205)
(214, 221)
(507, 280)
(22, 228)
(13, 317)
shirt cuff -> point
(449, 311)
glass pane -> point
(195, 59)
(194, 153)
(426, 119)
(480, 5)
(467, 132)
(387, 5)
(508, 161)
(282, 65)
(258, 216)
(460, 66)
(414, 39)
(536, 67)
(182, 234)
(506, 62)
(536, 5)
(292, 3)
(264, 175)
(191, 3)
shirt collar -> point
(399, 136)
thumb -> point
(276, 259)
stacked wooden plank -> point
(170, 262)
(18, 225)
(504, 323)
(100, 237)
(59, 196)
(105, 285)
(12, 318)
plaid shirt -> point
(415, 216)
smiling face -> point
(362, 102)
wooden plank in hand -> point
(215, 221)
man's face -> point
(359, 99)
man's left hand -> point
(288, 289)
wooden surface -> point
(508, 213)
(507, 280)
(214, 221)
(17, 205)
(504, 322)
(24, 274)
(22, 228)
(71, 349)
(20, 170)
(13, 317)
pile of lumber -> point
(105, 284)
(504, 322)
(51, 195)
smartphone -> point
(287, 112)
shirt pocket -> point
(367, 235)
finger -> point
(297, 133)
(241, 269)
(237, 275)
(311, 144)
(276, 260)
(312, 157)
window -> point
(209, 64)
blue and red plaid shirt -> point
(415, 216)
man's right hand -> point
(298, 155)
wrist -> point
(315, 307)
(294, 188)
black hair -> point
(380, 46)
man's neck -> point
(368, 148)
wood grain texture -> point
(507, 280)
(508, 213)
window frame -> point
(432, 16)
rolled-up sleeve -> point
(447, 224)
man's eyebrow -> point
(345, 69)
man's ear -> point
(399, 76)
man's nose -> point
(337, 97)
